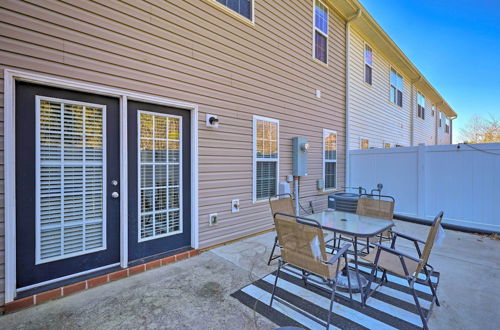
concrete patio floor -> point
(195, 293)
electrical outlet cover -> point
(212, 219)
(235, 206)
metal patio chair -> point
(388, 259)
(378, 206)
(303, 249)
(282, 205)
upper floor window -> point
(242, 7)
(420, 105)
(368, 64)
(320, 31)
(266, 157)
(440, 119)
(396, 88)
(330, 159)
(447, 125)
(364, 143)
(433, 112)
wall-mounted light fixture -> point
(212, 121)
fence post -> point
(421, 180)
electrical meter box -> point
(300, 148)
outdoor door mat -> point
(391, 306)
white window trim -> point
(235, 14)
(402, 91)
(360, 140)
(181, 188)
(10, 78)
(255, 159)
(321, 32)
(365, 44)
(325, 133)
(38, 259)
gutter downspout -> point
(412, 110)
(347, 180)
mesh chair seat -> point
(391, 262)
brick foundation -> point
(69, 289)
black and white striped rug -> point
(390, 307)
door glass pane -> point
(71, 171)
(159, 175)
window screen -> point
(266, 158)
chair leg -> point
(417, 304)
(275, 282)
(332, 298)
(304, 277)
(272, 251)
(431, 285)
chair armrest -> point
(339, 254)
(407, 237)
(396, 252)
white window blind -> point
(266, 157)
(71, 160)
(160, 173)
(330, 159)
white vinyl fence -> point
(461, 181)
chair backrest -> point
(282, 205)
(431, 237)
(380, 206)
(302, 243)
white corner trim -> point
(13, 75)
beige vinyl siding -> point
(195, 52)
(371, 114)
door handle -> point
(115, 194)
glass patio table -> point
(357, 226)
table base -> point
(343, 284)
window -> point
(364, 143)
(159, 174)
(440, 119)
(71, 179)
(396, 88)
(368, 64)
(387, 145)
(242, 7)
(330, 159)
(420, 105)
(447, 125)
(320, 31)
(433, 112)
(266, 157)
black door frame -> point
(11, 76)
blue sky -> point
(454, 43)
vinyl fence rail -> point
(462, 180)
